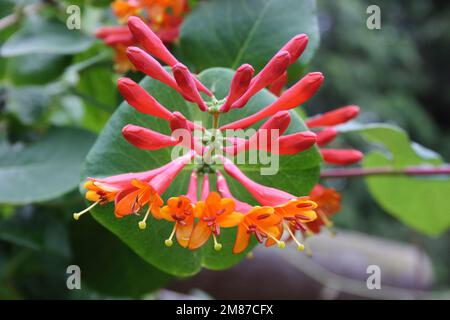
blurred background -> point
(398, 75)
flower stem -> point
(216, 120)
(362, 172)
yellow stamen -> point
(77, 216)
(280, 244)
(300, 247)
(143, 224)
(217, 245)
(169, 241)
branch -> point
(386, 171)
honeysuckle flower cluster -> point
(164, 17)
(204, 210)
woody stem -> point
(362, 172)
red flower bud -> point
(272, 71)
(153, 45)
(296, 142)
(187, 85)
(280, 122)
(296, 46)
(150, 41)
(291, 98)
(334, 117)
(140, 99)
(325, 136)
(147, 139)
(239, 84)
(148, 65)
(277, 86)
(119, 39)
(341, 156)
(103, 32)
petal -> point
(165, 213)
(230, 220)
(183, 234)
(92, 196)
(242, 240)
(227, 205)
(200, 235)
(213, 199)
(199, 209)
(128, 204)
(276, 232)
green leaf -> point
(43, 170)
(109, 266)
(228, 33)
(419, 202)
(45, 36)
(94, 83)
(111, 155)
(36, 68)
(39, 230)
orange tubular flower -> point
(295, 211)
(132, 202)
(214, 213)
(181, 211)
(262, 221)
(264, 224)
(104, 190)
(328, 203)
(99, 194)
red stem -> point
(361, 172)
